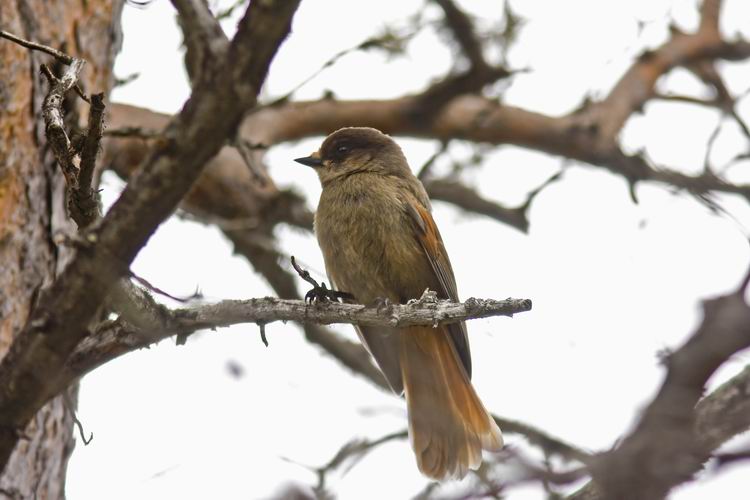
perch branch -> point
(115, 338)
(426, 311)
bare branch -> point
(136, 132)
(710, 12)
(549, 444)
(456, 193)
(356, 449)
(352, 452)
(137, 307)
(427, 105)
(637, 85)
(471, 117)
(664, 450)
(54, 122)
(730, 458)
(116, 338)
(205, 41)
(426, 311)
(525, 471)
(71, 407)
(725, 412)
(446, 111)
(463, 31)
(710, 103)
(477, 119)
(60, 56)
(83, 200)
(253, 159)
(91, 143)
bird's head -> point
(354, 150)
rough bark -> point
(32, 208)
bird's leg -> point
(320, 292)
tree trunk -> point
(32, 207)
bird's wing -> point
(428, 236)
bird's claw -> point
(322, 293)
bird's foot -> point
(320, 292)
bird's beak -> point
(313, 160)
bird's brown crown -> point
(351, 141)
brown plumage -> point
(379, 241)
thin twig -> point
(729, 458)
(143, 281)
(139, 132)
(71, 408)
(386, 40)
(60, 56)
(247, 151)
(424, 171)
(549, 444)
(263, 338)
(355, 450)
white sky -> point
(612, 282)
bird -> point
(380, 244)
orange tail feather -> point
(448, 425)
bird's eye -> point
(342, 149)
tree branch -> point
(588, 135)
(462, 29)
(205, 41)
(426, 311)
(83, 202)
(575, 136)
(119, 337)
(62, 314)
(60, 56)
(54, 122)
(462, 196)
(724, 413)
(667, 445)
(549, 444)
(428, 104)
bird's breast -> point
(368, 242)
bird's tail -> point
(448, 425)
